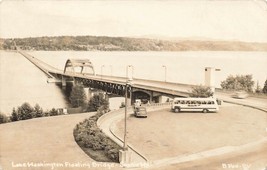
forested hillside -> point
(102, 43)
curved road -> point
(50, 140)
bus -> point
(194, 104)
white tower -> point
(210, 77)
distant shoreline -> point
(94, 43)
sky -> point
(240, 20)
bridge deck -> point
(167, 88)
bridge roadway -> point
(164, 88)
(172, 89)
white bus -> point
(195, 104)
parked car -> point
(140, 112)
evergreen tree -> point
(77, 96)
(97, 101)
(14, 115)
(25, 111)
(264, 90)
(38, 111)
(53, 112)
(258, 88)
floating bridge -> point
(83, 71)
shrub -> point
(25, 111)
(238, 82)
(113, 154)
(96, 102)
(122, 105)
(89, 135)
(53, 112)
(3, 118)
(201, 91)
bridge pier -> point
(63, 82)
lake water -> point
(21, 81)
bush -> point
(122, 105)
(3, 118)
(201, 91)
(89, 135)
(98, 101)
(53, 112)
(238, 82)
(25, 111)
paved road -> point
(107, 124)
(252, 158)
(43, 140)
(245, 126)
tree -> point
(201, 91)
(238, 82)
(14, 115)
(25, 111)
(53, 112)
(77, 96)
(98, 101)
(3, 118)
(258, 88)
(38, 111)
(264, 90)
